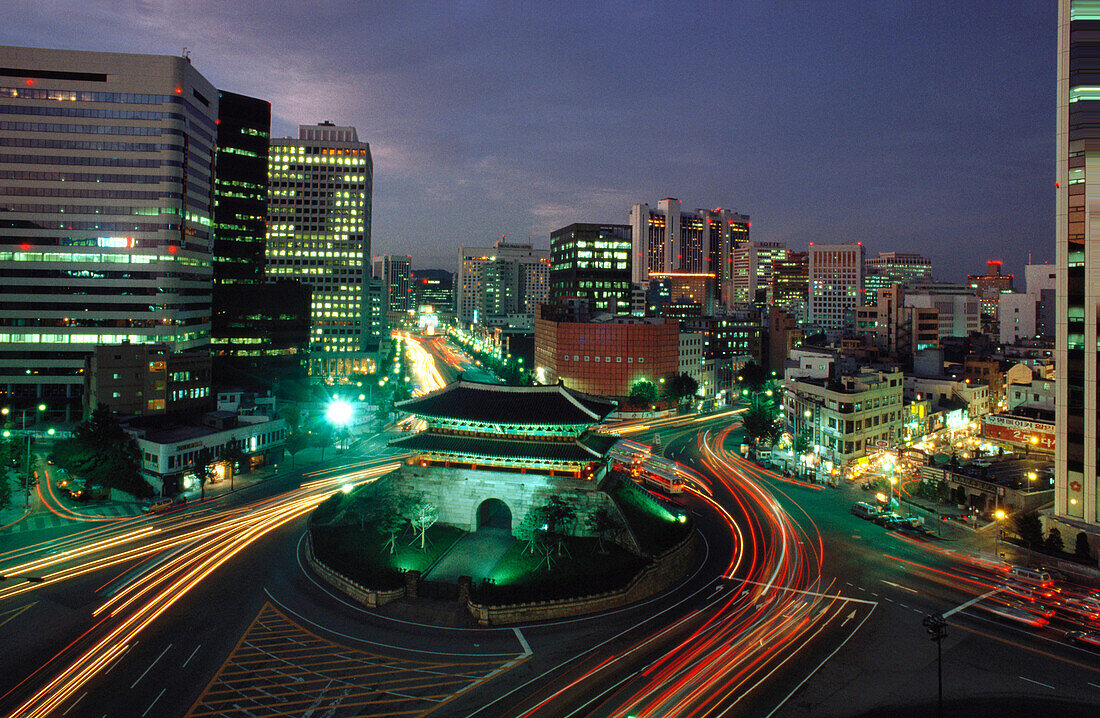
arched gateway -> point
(494, 514)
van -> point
(864, 510)
(1036, 577)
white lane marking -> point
(1095, 685)
(118, 659)
(523, 642)
(873, 593)
(74, 703)
(902, 604)
(134, 684)
(191, 656)
(898, 585)
(970, 603)
(823, 662)
(162, 690)
(1044, 685)
(847, 618)
(773, 587)
(888, 599)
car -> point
(1035, 577)
(884, 517)
(152, 506)
(1035, 608)
(92, 492)
(1078, 610)
(896, 524)
(1012, 613)
(1085, 639)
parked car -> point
(883, 518)
(864, 510)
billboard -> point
(1018, 431)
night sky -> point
(911, 126)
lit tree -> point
(602, 523)
(643, 391)
(424, 516)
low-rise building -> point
(173, 447)
(846, 417)
(146, 379)
(1037, 394)
(607, 355)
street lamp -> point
(27, 477)
(999, 515)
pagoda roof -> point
(500, 404)
(591, 447)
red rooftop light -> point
(179, 90)
(25, 246)
(172, 249)
(29, 81)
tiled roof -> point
(495, 403)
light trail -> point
(140, 601)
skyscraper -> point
(789, 283)
(260, 330)
(667, 240)
(502, 285)
(751, 269)
(592, 261)
(395, 273)
(319, 221)
(889, 268)
(835, 284)
(1078, 264)
(105, 212)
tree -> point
(801, 444)
(5, 487)
(296, 441)
(102, 452)
(752, 376)
(532, 530)
(292, 414)
(1081, 547)
(202, 459)
(643, 391)
(681, 387)
(1054, 543)
(761, 424)
(321, 437)
(424, 515)
(1029, 528)
(602, 523)
(233, 454)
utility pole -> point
(936, 626)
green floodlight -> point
(339, 412)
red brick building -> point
(605, 358)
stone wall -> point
(459, 492)
(660, 575)
(366, 596)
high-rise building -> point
(105, 213)
(835, 286)
(503, 285)
(894, 268)
(989, 286)
(260, 332)
(752, 264)
(319, 222)
(1076, 493)
(592, 261)
(666, 240)
(434, 288)
(395, 273)
(789, 284)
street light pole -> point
(936, 625)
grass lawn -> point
(654, 523)
(364, 557)
(523, 576)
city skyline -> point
(866, 131)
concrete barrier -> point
(658, 576)
(369, 597)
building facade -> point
(395, 273)
(592, 261)
(503, 285)
(835, 286)
(146, 380)
(668, 240)
(606, 358)
(751, 270)
(105, 213)
(847, 417)
(894, 268)
(789, 287)
(434, 288)
(319, 224)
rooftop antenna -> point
(186, 54)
